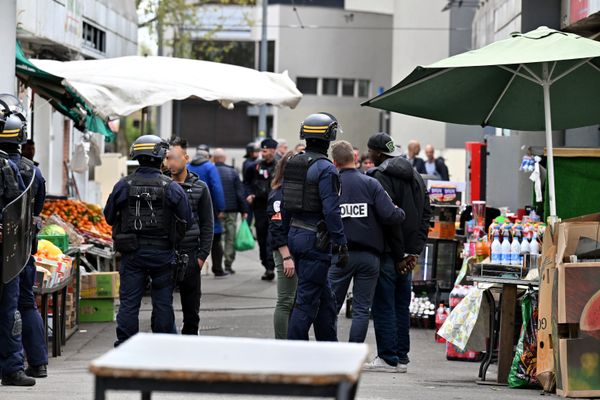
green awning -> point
(62, 98)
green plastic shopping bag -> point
(244, 239)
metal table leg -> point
(99, 389)
(485, 364)
(55, 326)
(63, 320)
(344, 391)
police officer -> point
(198, 239)
(260, 187)
(33, 335)
(248, 166)
(365, 208)
(149, 213)
(11, 347)
(311, 198)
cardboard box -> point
(96, 310)
(443, 230)
(576, 330)
(100, 285)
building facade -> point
(70, 30)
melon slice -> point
(590, 317)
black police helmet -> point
(10, 106)
(14, 130)
(150, 146)
(322, 126)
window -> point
(307, 85)
(364, 86)
(348, 87)
(94, 38)
(330, 86)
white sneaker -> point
(402, 368)
(378, 365)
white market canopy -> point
(116, 87)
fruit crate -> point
(60, 241)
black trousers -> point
(262, 233)
(190, 290)
(217, 254)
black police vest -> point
(192, 235)
(9, 186)
(146, 214)
(27, 171)
(298, 194)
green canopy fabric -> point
(61, 97)
(540, 80)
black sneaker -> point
(268, 276)
(229, 270)
(41, 371)
(17, 379)
(221, 274)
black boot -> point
(40, 371)
(17, 379)
(268, 276)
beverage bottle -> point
(506, 249)
(534, 246)
(496, 250)
(515, 250)
(525, 246)
(440, 316)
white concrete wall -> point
(346, 52)
(418, 47)
(49, 139)
(378, 6)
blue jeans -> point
(11, 349)
(363, 267)
(133, 285)
(315, 303)
(34, 335)
(391, 316)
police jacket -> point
(207, 172)
(325, 176)
(260, 186)
(28, 170)
(175, 201)
(11, 181)
(248, 174)
(407, 190)
(199, 235)
(233, 191)
(365, 208)
(278, 224)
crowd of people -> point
(321, 225)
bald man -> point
(414, 148)
(436, 167)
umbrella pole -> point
(550, 149)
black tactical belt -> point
(303, 225)
(159, 244)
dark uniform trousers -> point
(33, 335)
(262, 232)
(315, 302)
(190, 290)
(134, 271)
(11, 350)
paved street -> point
(242, 305)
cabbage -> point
(53, 230)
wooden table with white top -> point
(209, 364)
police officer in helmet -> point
(316, 238)
(33, 335)
(149, 214)
(11, 324)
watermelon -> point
(53, 230)
(590, 317)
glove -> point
(341, 252)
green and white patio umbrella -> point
(540, 80)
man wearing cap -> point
(259, 189)
(252, 151)
(404, 243)
(208, 173)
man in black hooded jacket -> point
(404, 243)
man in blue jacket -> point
(208, 173)
(365, 208)
(235, 203)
